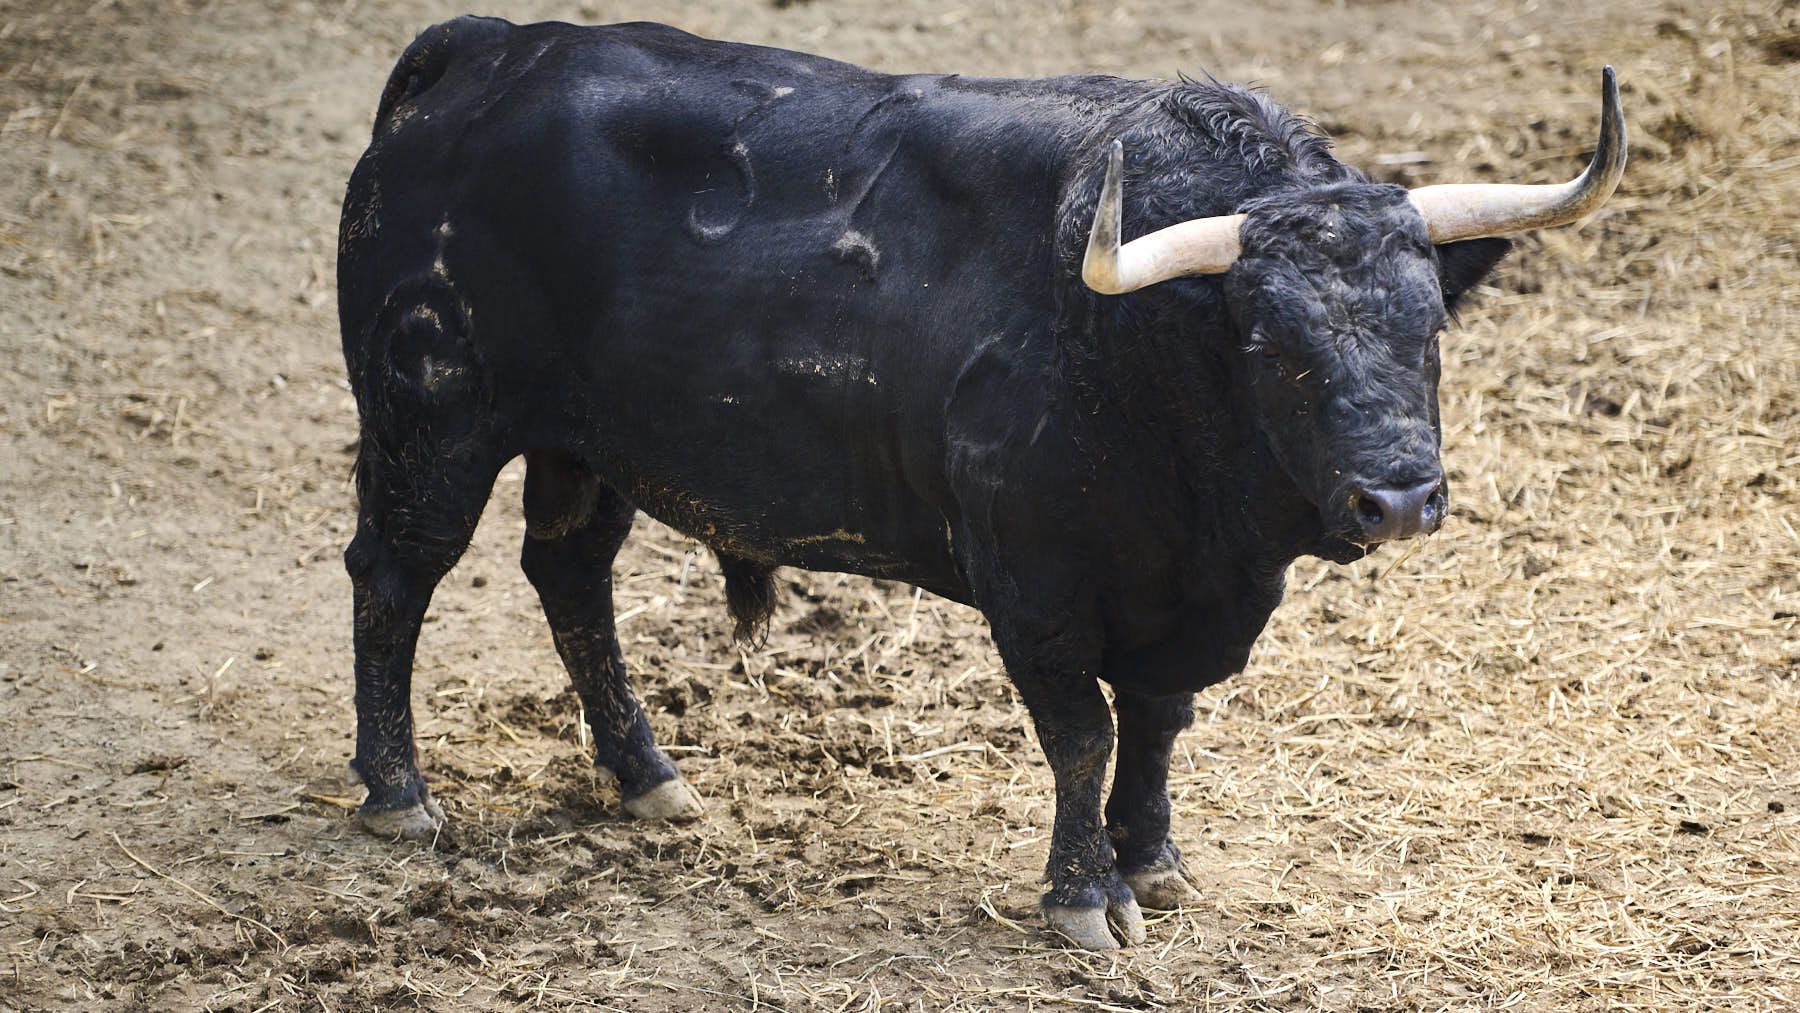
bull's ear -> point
(1462, 264)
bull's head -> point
(1339, 292)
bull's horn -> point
(1200, 246)
(1466, 210)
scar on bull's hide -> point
(877, 107)
(711, 218)
(860, 191)
(709, 225)
(855, 248)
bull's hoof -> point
(420, 822)
(1163, 887)
(1097, 928)
(674, 800)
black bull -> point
(816, 316)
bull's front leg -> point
(1088, 901)
(1137, 813)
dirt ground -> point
(1549, 760)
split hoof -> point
(1163, 888)
(674, 800)
(421, 822)
(1095, 928)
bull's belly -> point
(816, 511)
(770, 533)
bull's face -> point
(1339, 296)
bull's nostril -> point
(1368, 512)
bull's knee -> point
(381, 589)
(390, 577)
(362, 554)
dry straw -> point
(1547, 761)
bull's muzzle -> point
(1384, 513)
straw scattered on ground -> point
(1546, 760)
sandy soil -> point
(1548, 761)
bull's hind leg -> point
(574, 527)
(426, 465)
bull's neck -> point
(1163, 416)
